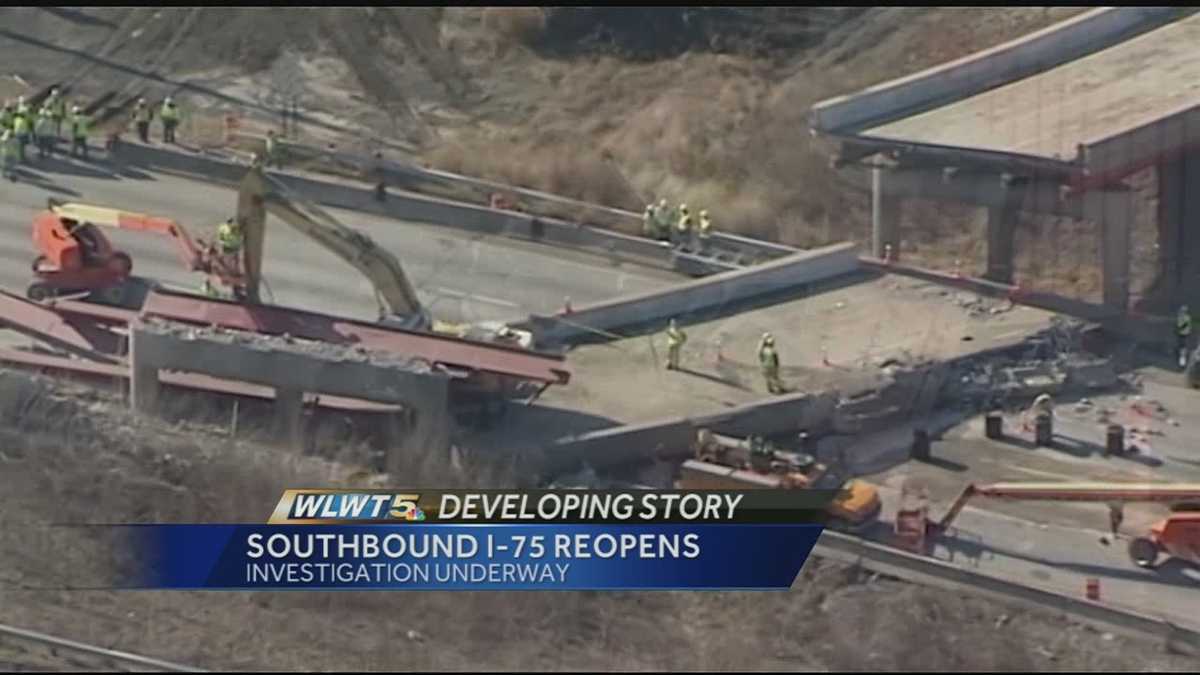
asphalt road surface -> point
(459, 277)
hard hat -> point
(662, 203)
(167, 100)
(683, 207)
(649, 208)
(20, 100)
(703, 213)
(141, 101)
(75, 109)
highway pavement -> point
(458, 276)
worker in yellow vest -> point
(43, 132)
(675, 340)
(170, 119)
(22, 128)
(141, 119)
(768, 360)
(81, 125)
(8, 153)
(57, 104)
(683, 227)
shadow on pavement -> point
(1170, 572)
(61, 165)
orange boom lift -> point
(75, 256)
(1176, 536)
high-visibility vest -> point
(169, 113)
(142, 113)
(1183, 324)
(58, 107)
(80, 125)
(229, 236)
(41, 125)
(768, 358)
(20, 125)
(685, 222)
(705, 226)
(676, 337)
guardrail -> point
(110, 656)
(918, 569)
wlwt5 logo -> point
(344, 506)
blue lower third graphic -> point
(470, 557)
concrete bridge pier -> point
(1112, 212)
(1178, 232)
(885, 216)
(1002, 233)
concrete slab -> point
(1051, 114)
(857, 327)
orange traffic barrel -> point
(1093, 589)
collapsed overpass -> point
(1051, 123)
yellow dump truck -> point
(725, 463)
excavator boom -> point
(260, 194)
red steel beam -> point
(52, 362)
(44, 323)
(445, 350)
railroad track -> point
(40, 651)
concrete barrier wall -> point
(414, 177)
(407, 206)
(629, 444)
(699, 295)
(1061, 43)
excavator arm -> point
(260, 194)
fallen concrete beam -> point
(629, 444)
(1014, 60)
(284, 365)
(708, 293)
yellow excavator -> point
(399, 306)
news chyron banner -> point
(499, 540)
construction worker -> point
(141, 119)
(229, 237)
(675, 340)
(80, 127)
(271, 151)
(170, 119)
(8, 151)
(58, 110)
(705, 228)
(43, 132)
(22, 107)
(650, 224)
(22, 127)
(768, 359)
(6, 116)
(1183, 334)
(683, 226)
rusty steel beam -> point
(54, 363)
(44, 323)
(447, 351)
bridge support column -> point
(1001, 236)
(1178, 239)
(1112, 212)
(289, 417)
(885, 217)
